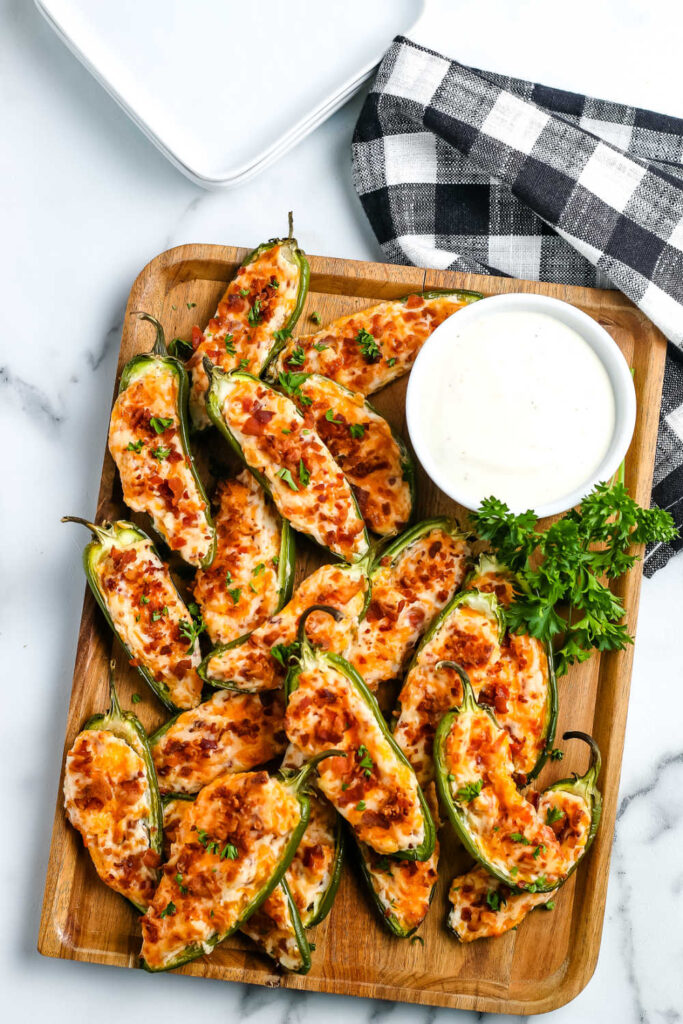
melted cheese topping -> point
(147, 610)
(175, 812)
(372, 463)
(403, 887)
(511, 829)
(272, 929)
(203, 895)
(252, 666)
(407, 595)
(380, 801)
(230, 732)
(399, 328)
(512, 678)
(107, 798)
(157, 479)
(240, 589)
(473, 896)
(307, 485)
(309, 876)
(249, 341)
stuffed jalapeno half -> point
(231, 850)
(276, 926)
(148, 440)
(254, 318)
(401, 890)
(134, 589)
(411, 581)
(315, 872)
(373, 458)
(373, 788)
(252, 574)
(259, 661)
(111, 798)
(289, 460)
(230, 732)
(481, 907)
(513, 674)
(370, 348)
(526, 841)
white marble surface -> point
(85, 202)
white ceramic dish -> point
(435, 350)
(224, 89)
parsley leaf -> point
(495, 900)
(329, 416)
(160, 452)
(229, 346)
(136, 698)
(229, 851)
(135, 446)
(298, 356)
(255, 313)
(235, 594)
(357, 431)
(368, 346)
(291, 385)
(553, 814)
(169, 910)
(282, 335)
(555, 754)
(258, 569)
(365, 761)
(469, 791)
(283, 653)
(159, 424)
(286, 475)
(244, 292)
(360, 806)
(517, 837)
(319, 347)
(304, 475)
(316, 317)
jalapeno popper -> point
(275, 927)
(259, 661)
(148, 440)
(373, 458)
(232, 849)
(111, 797)
(482, 907)
(513, 674)
(252, 573)
(289, 460)
(370, 348)
(525, 842)
(254, 318)
(230, 732)
(135, 591)
(415, 577)
(374, 787)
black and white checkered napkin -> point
(466, 170)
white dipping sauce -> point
(517, 405)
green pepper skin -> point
(297, 256)
(299, 929)
(127, 727)
(137, 367)
(296, 781)
(584, 786)
(108, 536)
(286, 565)
(213, 407)
(320, 912)
(310, 658)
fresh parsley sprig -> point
(562, 592)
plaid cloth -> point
(465, 170)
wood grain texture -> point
(553, 955)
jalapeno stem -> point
(301, 630)
(301, 775)
(159, 348)
(596, 760)
(98, 532)
(290, 221)
(115, 707)
(468, 697)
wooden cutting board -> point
(553, 955)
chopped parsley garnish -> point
(191, 305)
(286, 475)
(538, 885)
(517, 837)
(160, 452)
(190, 630)
(283, 653)
(180, 348)
(282, 335)
(274, 283)
(365, 761)
(316, 318)
(555, 754)
(537, 851)
(495, 900)
(329, 416)
(291, 385)
(550, 905)
(179, 880)
(258, 569)
(553, 814)
(144, 599)
(383, 864)
(235, 594)
(360, 806)
(298, 356)
(229, 347)
(345, 786)
(135, 446)
(252, 588)
(275, 560)
(569, 565)
(169, 910)
(368, 346)
(159, 424)
(255, 313)
(244, 292)
(304, 475)
(319, 347)
(469, 791)
(136, 698)
(285, 430)
(392, 361)
(229, 851)
(357, 431)
(228, 578)
(243, 364)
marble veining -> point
(86, 202)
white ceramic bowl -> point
(596, 336)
